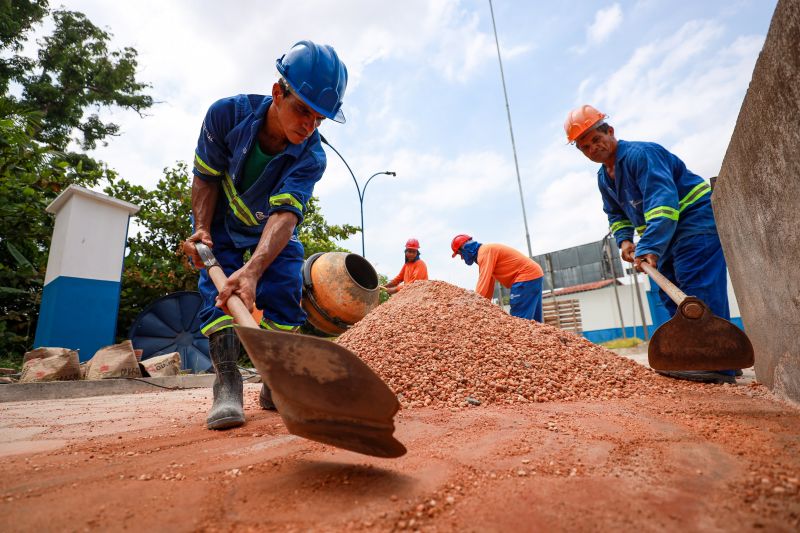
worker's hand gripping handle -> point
(677, 295)
(241, 315)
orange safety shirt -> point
(411, 272)
(504, 264)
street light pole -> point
(360, 190)
(361, 201)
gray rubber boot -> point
(227, 410)
(265, 398)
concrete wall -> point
(757, 205)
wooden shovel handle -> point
(241, 314)
(677, 295)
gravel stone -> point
(433, 343)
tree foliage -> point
(319, 236)
(44, 101)
(31, 176)
(72, 77)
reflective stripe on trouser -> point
(278, 291)
(695, 264)
(526, 299)
(274, 326)
(225, 321)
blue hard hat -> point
(317, 75)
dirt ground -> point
(716, 458)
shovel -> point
(322, 391)
(695, 339)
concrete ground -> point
(710, 457)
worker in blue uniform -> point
(255, 166)
(647, 189)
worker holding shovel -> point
(511, 268)
(648, 189)
(414, 268)
(255, 166)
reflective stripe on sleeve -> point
(203, 167)
(640, 229)
(662, 211)
(620, 224)
(285, 199)
(695, 194)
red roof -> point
(584, 287)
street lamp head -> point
(391, 173)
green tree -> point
(155, 265)
(31, 176)
(319, 236)
(56, 94)
(74, 71)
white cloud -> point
(418, 72)
(683, 91)
(606, 21)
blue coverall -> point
(670, 207)
(229, 132)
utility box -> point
(80, 300)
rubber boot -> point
(265, 398)
(227, 411)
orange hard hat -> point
(412, 244)
(580, 120)
(458, 242)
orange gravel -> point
(438, 345)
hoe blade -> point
(704, 343)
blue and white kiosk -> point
(82, 285)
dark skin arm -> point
(242, 283)
(204, 202)
(276, 234)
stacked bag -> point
(115, 361)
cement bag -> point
(163, 365)
(115, 361)
(50, 364)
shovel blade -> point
(705, 343)
(324, 392)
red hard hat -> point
(412, 244)
(580, 120)
(458, 242)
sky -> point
(425, 100)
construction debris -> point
(439, 345)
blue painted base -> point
(79, 314)
(604, 335)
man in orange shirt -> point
(414, 268)
(513, 270)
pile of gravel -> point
(440, 345)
